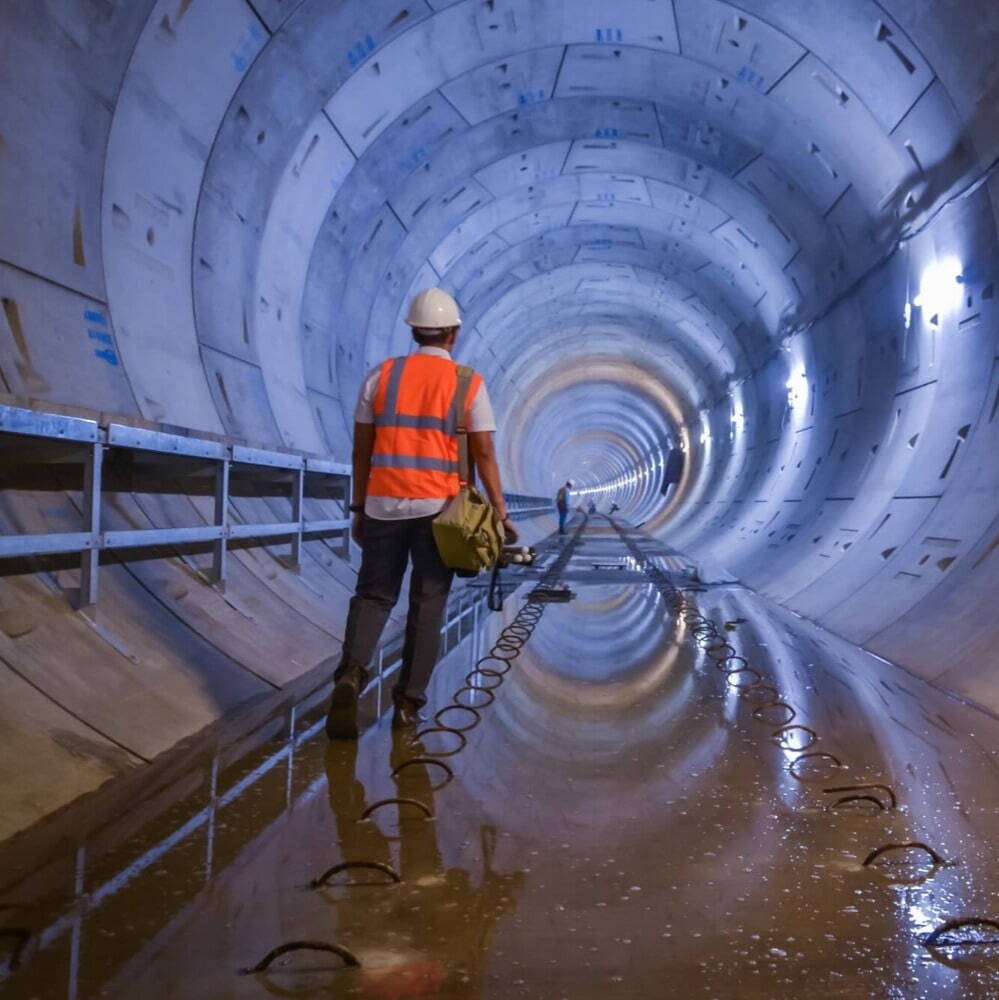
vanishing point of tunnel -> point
(728, 267)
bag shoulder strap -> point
(465, 376)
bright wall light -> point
(738, 418)
(940, 286)
(797, 387)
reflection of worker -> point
(405, 471)
(440, 919)
(562, 504)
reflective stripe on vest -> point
(413, 462)
(416, 445)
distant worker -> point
(591, 508)
(405, 462)
(562, 503)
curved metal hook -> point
(445, 729)
(477, 690)
(783, 705)
(847, 799)
(712, 649)
(485, 672)
(495, 659)
(757, 690)
(865, 788)
(423, 760)
(938, 861)
(779, 735)
(349, 958)
(727, 659)
(456, 708)
(932, 939)
(318, 883)
(427, 811)
(730, 674)
(814, 755)
(506, 659)
(508, 644)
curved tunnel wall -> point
(764, 232)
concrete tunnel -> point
(730, 267)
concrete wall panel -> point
(59, 77)
(58, 345)
(182, 76)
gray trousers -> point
(388, 548)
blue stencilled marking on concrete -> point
(609, 35)
(100, 335)
(532, 97)
(414, 160)
(106, 354)
(247, 48)
(361, 50)
(751, 77)
(95, 317)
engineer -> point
(405, 469)
(562, 504)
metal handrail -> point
(89, 441)
(85, 442)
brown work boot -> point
(407, 714)
(341, 721)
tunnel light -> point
(797, 387)
(940, 286)
(738, 420)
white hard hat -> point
(433, 309)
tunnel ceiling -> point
(760, 233)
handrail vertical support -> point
(348, 493)
(90, 559)
(475, 630)
(297, 514)
(220, 548)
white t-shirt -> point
(480, 418)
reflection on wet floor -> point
(626, 820)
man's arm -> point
(480, 446)
(364, 445)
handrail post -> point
(90, 559)
(347, 498)
(220, 548)
(297, 513)
(475, 629)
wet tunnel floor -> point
(622, 822)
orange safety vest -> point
(416, 443)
